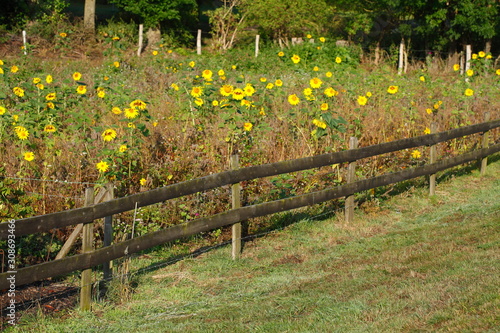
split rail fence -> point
(86, 215)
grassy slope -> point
(413, 263)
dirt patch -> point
(46, 296)
(290, 259)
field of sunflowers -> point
(171, 115)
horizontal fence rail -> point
(87, 260)
(86, 214)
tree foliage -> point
(283, 19)
(153, 13)
(463, 21)
(226, 22)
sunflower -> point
(18, 91)
(362, 100)
(116, 110)
(197, 92)
(392, 89)
(293, 99)
(238, 94)
(102, 166)
(249, 89)
(22, 133)
(330, 92)
(109, 134)
(82, 90)
(207, 74)
(2, 110)
(77, 76)
(131, 113)
(319, 123)
(29, 156)
(226, 90)
(315, 83)
(138, 104)
(49, 128)
(247, 127)
(50, 96)
(295, 58)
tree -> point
(373, 21)
(226, 22)
(446, 23)
(89, 15)
(155, 12)
(284, 19)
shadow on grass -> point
(262, 226)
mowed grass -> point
(410, 263)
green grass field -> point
(409, 263)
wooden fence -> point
(103, 255)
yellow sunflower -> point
(109, 134)
(102, 166)
(293, 99)
(131, 113)
(49, 128)
(138, 104)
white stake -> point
(24, 42)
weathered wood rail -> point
(87, 214)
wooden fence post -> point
(105, 194)
(87, 245)
(468, 56)
(139, 49)
(351, 175)
(462, 62)
(257, 38)
(236, 203)
(198, 42)
(433, 159)
(401, 56)
(108, 232)
(484, 144)
(25, 43)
